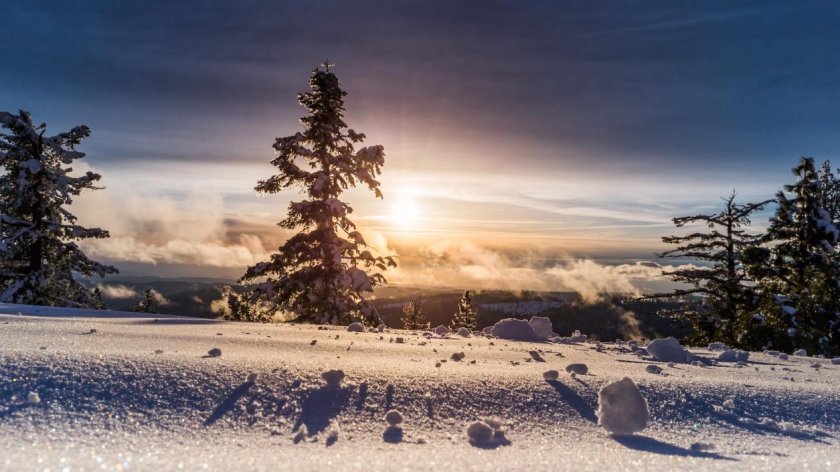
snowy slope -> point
(141, 393)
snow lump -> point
(356, 327)
(668, 350)
(621, 408)
(541, 326)
(513, 329)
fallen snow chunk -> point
(718, 347)
(300, 434)
(513, 329)
(699, 446)
(458, 356)
(33, 398)
(729, 404)
(551, 375)
(158, 351)
(800, 353)
(698, 364)
(621, 408)
(541, 326)
(653, 369)
(463, 332)
(92, 330)
(356, 327)
(400, 340)
(252, 377)
(672, 365)
(580, 369)
(480, 432)
(741, 356)
(667, 350)
(215, 352)
(381, 327)
(333, 378)
(442, 330)
(727, 356)
(783, 356)
(577, 337)
(393, 417)
(835, 361)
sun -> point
(405, 213)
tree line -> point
(777, 289)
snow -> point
(356, 327)
(542, 327)
(109, 402)
(733, 355)
(668, 350)
(579, 369)
(463, 332)
(621, 408)
(800, 353)
(514, 329)
(393, 417)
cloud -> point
(467, 265)
(178, 229)
(118, 291)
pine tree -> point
(245, 307)
(148, 304)
(325, 272)
(795, 272)
(38, 252)
(414, 317)
(467, 314)
(724, 313)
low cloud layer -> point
(117, 291)
(466, 265)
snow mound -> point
(215, 352)
(621, 408)
(668, 350)
(551, 375)
(487, 433)
(541, 326)
(733, 355)
(393, 418)
(356, 327)
(513, 329)
(800, 353)
(442, 330)
(463, 332)
(333, 378)
(480, 432)
(718, 347)
(580, 369)
(836, 361)
(653, 369)
(33, 398)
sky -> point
(528, 144)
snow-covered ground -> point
(125, 391)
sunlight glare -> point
(405, 213)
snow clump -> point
(551, 375)
(621, 408)
(733, 355)
(33, 398)
(580, 369)
(393, 418)
(541, 326)
(356, 327)
(653, 369)
(442, 330)
(463, 332)
(718, 347)
(668, 350)
(800, 353)
(333, 378)
(215, 352)
(513, 329)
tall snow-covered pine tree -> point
(795, 271)
(324, 273)
(38, 253)
(467, 314)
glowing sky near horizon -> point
(540, 131)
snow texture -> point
(668, 350)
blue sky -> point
(573, 129)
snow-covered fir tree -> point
(149, 303)
(39, 257)
(325, 273)
(467, 314)
(414, 316)
(727, 301)
(795, 270)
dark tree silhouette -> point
(323, 273)
(38, 251)
(721, 282)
